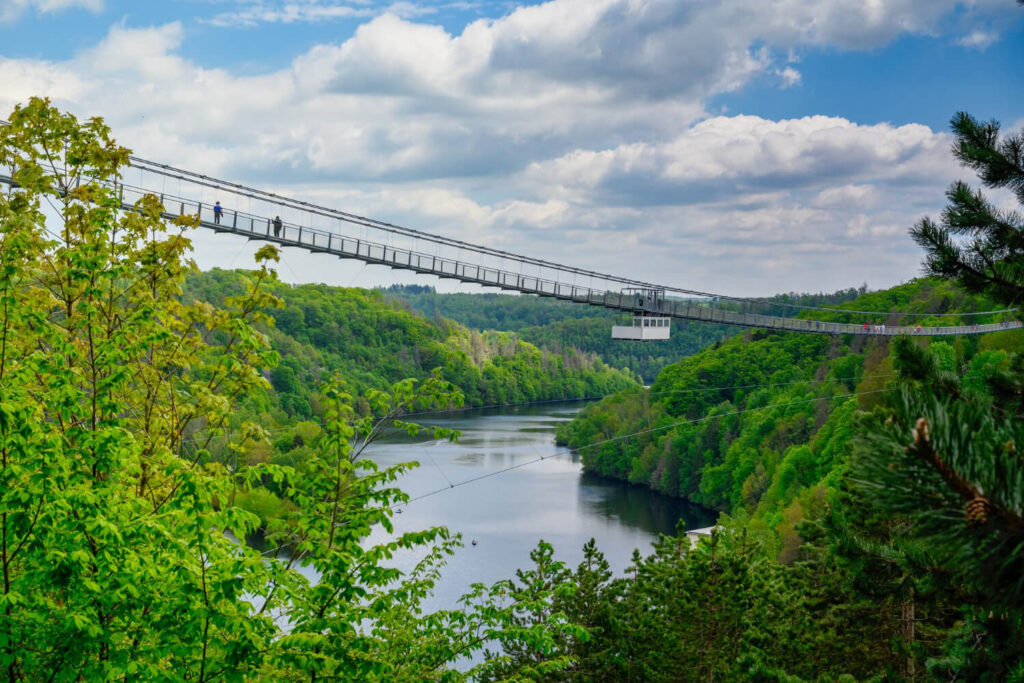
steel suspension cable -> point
(173, 172)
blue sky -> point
(745, 146)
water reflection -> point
(636, 506)
(507, 512)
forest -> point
(320, 332)
(872, 493)
(784, 406)
(557, 324)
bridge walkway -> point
(325, 242)
(317, 240)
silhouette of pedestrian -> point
(218, 210)
(277, 226)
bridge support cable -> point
(354, 219)
(331, 232)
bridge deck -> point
(319, 241)
(327, 242)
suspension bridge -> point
(289, 222)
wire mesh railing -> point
(445, 258)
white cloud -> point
(845, 197)
(978, 38)
(24, 78)
(248, 14)
(789, 76)
(289, 13)
(728, 157)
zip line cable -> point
(629, 436)
(430, 457)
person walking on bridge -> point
(218, 211)
(277, 226)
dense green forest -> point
(872, 536)
(554, 324)
(888, 470)
(781, 401)
(320, 331)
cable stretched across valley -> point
(632, 435)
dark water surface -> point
(509, 512)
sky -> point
(746, 147)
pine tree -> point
(943, 460)
(977, 244)
(943, 463)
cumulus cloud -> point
(573, 129)
(728, 157)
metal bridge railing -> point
(261, 227)
(373, 252)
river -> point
(506, 514)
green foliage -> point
(721, 609)
(944, 458)
(321, 331)
(112, 545)
(702, 440)
(262, 503)
(558, 325)
(760, 418)
(941, 456)
(992, 261)
(117, 528)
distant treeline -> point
(558, 324)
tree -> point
(942, 459)
(118, 529)
(112, 545)
(976, 244)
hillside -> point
(755, 422)
(322, 331)
(554, 324)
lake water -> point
(506, 514)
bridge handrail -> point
(347, 246)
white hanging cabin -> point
(644, 328)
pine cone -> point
(977, 511)
(921, 432)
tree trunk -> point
(907, 633)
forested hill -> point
(371, 342)
(798, 422)
(556, 324)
